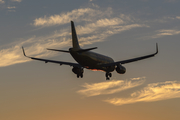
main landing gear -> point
(108, 75)
(78, 71)
(80, 75)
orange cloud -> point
(153, 92)
(165, 32)
(110, 87)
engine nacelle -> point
(120, 69)
(77, 70)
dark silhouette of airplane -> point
(90, 60)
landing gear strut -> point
(108, 75)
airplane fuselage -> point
(92, 61)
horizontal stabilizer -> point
(59, 50)
(85, 50)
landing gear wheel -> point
(77, 76)
(108, 75)
(81, 75)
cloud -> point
(102, 23)
(34, 46)
(13, 7)
(110, 87)
(16, 0)
(153, 92)
(8, 5)
(99, 34)
(102, 28)
(178, 17)
(94, 5)
(89, 15)
(165, 32)
(2, 2)
(65, 18)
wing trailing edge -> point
(53, 61)
(132, 60)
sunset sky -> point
(121, 29)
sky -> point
(33, 90)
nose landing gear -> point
(108, 75)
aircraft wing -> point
(53, 61)
(133, 59)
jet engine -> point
(120, 69)
(78, 71)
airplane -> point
(85, 58)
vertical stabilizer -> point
(75, 42)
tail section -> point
(75, 42)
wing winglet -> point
(156, 49)
(24, 52)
